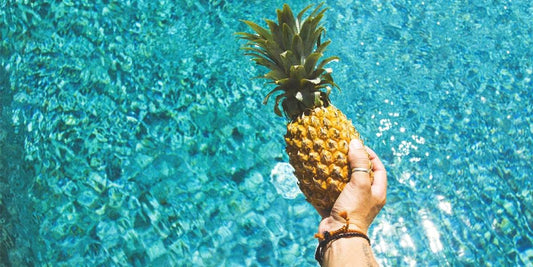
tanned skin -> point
(360, 202)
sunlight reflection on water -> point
(432, 232)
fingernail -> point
(356, 143)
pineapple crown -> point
(291, 49)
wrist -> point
(329, 239)
(349, 252)
(330, 224)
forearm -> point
(352, 251)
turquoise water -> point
(131, 134)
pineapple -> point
(318, 134)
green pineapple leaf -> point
(291, 49)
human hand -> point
(360, 201)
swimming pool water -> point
(131, 133)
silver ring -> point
(360, 170)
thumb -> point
(359, 160)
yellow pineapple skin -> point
(317, 145)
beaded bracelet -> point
(327, 237)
